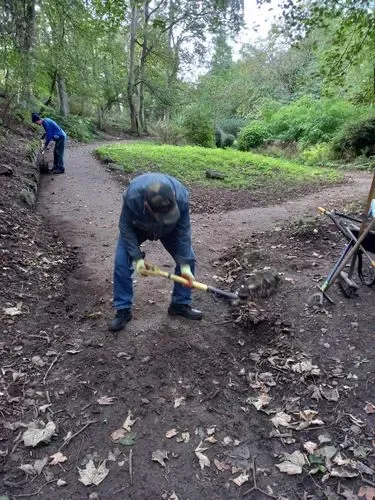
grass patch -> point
(243, 170)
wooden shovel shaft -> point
(195, 284)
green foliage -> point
(228, 141)
(77, 127)
(356, 139)
(252, 136)
(190, 163)
(169, 132)
(319, 154)
(198, 127)
(309, 121)
(232, 125)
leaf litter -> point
(38, 432)
(92, 474)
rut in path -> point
(84, 207)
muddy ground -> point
(212, 387)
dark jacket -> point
(137, 224)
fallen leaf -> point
(343, 472)
(171, 433)
(106, 400)
(310, 446)
(296, 458)
(111, 456)
(93, 475)
(159, 456)
(129, 439)
(37, 361)
(282, 419)
(339, 460)
(289, 468)
(178, 402)
(13, 311)
(203, 460)
(221, 465)
(173, 496)
(262, 400)
(117, 435)
(305, 366)
(211, 439)
(324, 439)
(129, 422)
(241, 479)
(330, 394)
(366, 491)
(185, 437)
(58, 458)
(211, 430)
(35, 434)
(73, 351)
(43, 408)
(61, 482)
(327, 452)
(369, 408)
(36, 467)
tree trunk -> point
(62, 95)
(169, 73)
(131, 88)
(142, 115)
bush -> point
(309, 121)
(198, 127)
(252, 136)
(232, 125)
(169, 133)
(77, 127)
(318, 154)
(228, 141)
(356, 139)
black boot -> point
(120, 320)
(184, 310)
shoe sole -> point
(119, 329)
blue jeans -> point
(58, 154)
(122, 279)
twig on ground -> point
(367, 481)
(131, 466)
(65, 443)
(49, 369)
(213, 395)
(255, 486)
(35, 492)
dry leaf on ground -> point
(241, 479)
(171, 433)
(211, 439)
(58, 458)
(282, 419)
(185, 437)
(221, 465)
(36, 434)
(117, 435)
(159, 456)
(262, 400)
(369, 408)
(92, 474)
(343, 472)
(178, 402)
(310, 446)
(129, 422)
(330, 394)
(36, 467)
(293, 463)
(367, 491)
(13, 311)
(305, 366)
(106, 400)
(204, 461)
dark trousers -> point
(58, 154)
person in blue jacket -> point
(155, 207)
(53, 132)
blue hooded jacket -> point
(137, 224)
(53, 131)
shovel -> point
(153, 270)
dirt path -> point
(168, 372)
(84, 207)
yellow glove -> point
(141, 267)
(187, 274)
